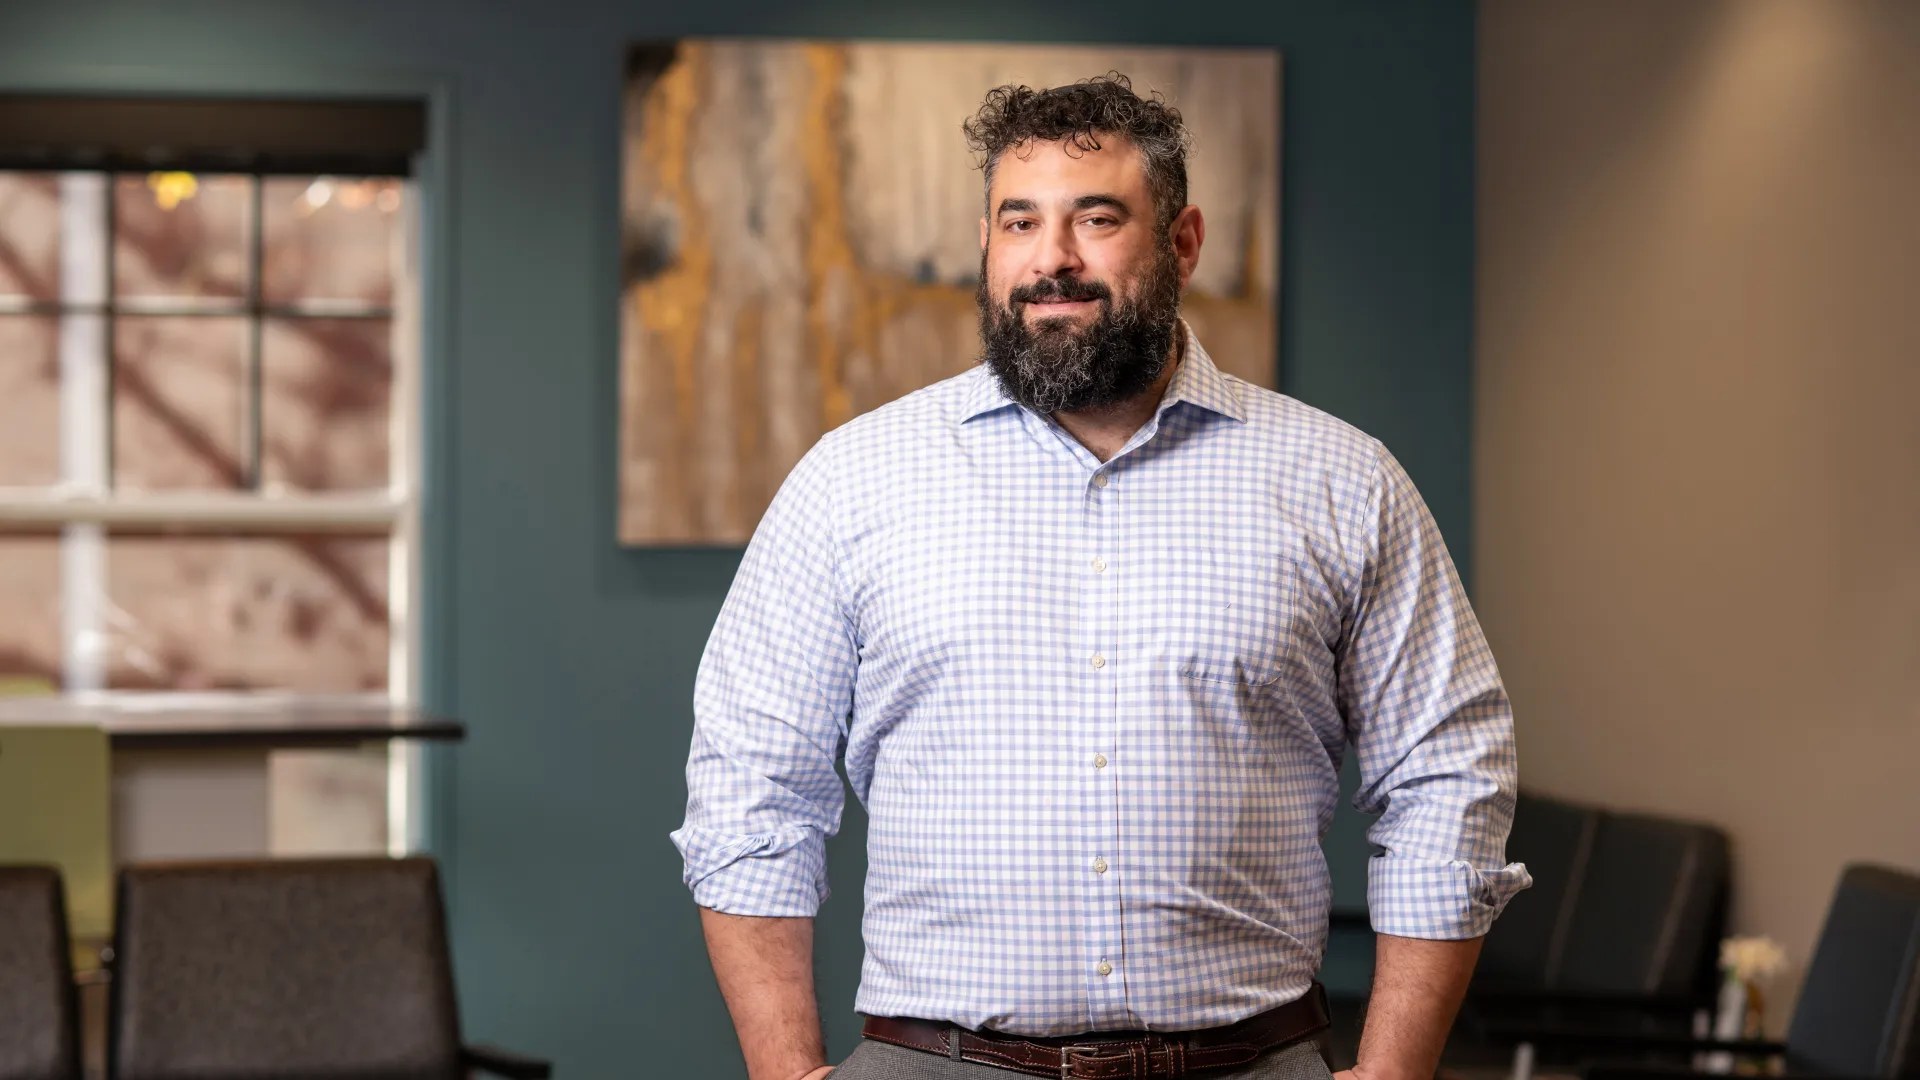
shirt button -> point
(1103, 968)
(1100, 480)
(1098, 661)
(1099, 761)
(1099, 865)
(1099, 565)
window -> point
(207, 434)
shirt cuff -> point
(1439, 901)
(782, 874)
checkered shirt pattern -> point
(1096, 712)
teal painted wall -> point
(572, 659)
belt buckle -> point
(1066, 1058)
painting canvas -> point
(800, 244)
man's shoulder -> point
(908, 421)
(1303, 433)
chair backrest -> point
(1650, 908)
(283, 970)
(1555, 840)
(39, 1017)
(1859, 1009)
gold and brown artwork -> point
(800, 244)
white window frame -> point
(84, 506)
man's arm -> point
(1417, 987)
(765, 968)
(771, 704)
(1430, 724)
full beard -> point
(1052, 365)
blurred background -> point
(311, 494)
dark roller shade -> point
(367, 138)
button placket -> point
(1107, 682)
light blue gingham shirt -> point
(1096, 712)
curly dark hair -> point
(1081, 113)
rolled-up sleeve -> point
(770, 711)
(1431, 725)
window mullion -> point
(405, 775)
(252, 425)
(34, 509)
(86, 340)
(86, 361)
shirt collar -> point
(1196, 381)
(985, 395)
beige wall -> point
(1698, 504)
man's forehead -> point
(1115, 165)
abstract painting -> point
(800, 244)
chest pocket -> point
(1228, 615)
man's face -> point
(1079, 287)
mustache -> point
(1059, 289)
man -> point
(1093, 625)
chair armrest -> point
(1490, 1013)
(505, 1063)
(1628, 1042)
(1603, 999)
(1669, 1073)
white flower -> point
(1752, 958)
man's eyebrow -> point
(1084, 202)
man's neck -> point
(1104, 431)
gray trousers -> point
(885, 1061)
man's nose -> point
(1059, 253)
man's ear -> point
(1187, 232)
(983, 233)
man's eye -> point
(1099, 222)
(1019, 226)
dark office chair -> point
(1523, 951)
(1622, 935)
(289, 970)
(1859, 1009)
(39, 1014)
(1648, 919)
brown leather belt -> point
(1115, 1055)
